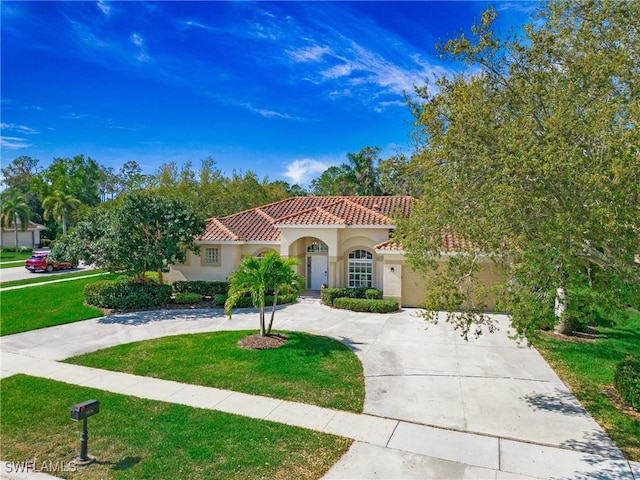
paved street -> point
(21, 273)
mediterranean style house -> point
(340, 241)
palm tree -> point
(15, 210)
(259, 276)
(60, 206)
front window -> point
(210, 256)
(360, 269)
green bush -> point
(372, 294)
(366, 305)
(45, 242)
(627, 380)
(126, 294)
(206, 288)
(186, 298)
(9, 249)
(246, 302)
(25, 249)
(219, 299)
(328, 295)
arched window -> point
(317, 247)
(360, 269)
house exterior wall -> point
(193, 268)
(28, 238)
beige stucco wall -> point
(407, 286)
(28, 238)
(192, 269)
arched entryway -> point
(317, 265)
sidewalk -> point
(404, 432)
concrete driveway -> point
(441, 388)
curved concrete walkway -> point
(436, 406)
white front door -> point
(317, 266)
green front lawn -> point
(13, 259)
(31, 308)
(133, 438)
(45, 277)
(588, 367)
(308, 368)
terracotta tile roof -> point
(261, 224)
(450, 242)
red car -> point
(40, 262)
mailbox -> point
(84, 410)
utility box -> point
(84, 410)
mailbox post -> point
(82, 411)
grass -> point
(45, 278)
(588, 367)
(308, 368)
(133, 438)
(55, 304)
(6, 257)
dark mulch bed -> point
(577, 337)
(258, 342)
(612, 394)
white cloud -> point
(338, 71)
(309, 54)
(138, 41)
(304, 170)
(13, 143)
(104, 7)
(18, 128)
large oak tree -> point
(533, 154)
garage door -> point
(412, 287)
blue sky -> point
(284, 89)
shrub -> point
(246, 302)
(186, 298)
(627, 380)
(328, 295)
(219, 299)
(126, 294)
(372, 294)
(366, 305)
(206, 288)
(45, 242)
(9, 249)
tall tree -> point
(15, 211)
(79, 177)
(60, 206)
(139, 233)
(534, 155)
(258, 277)
(363, 170)
(357, 177)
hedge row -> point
(627, 380)
(12, 249)
(206, 288)
(366, 305)
(328, 295)
(126, 294)
(187, 298)
(247, 302)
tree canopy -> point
(533, 155)
(137, 234)
(357, 177)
